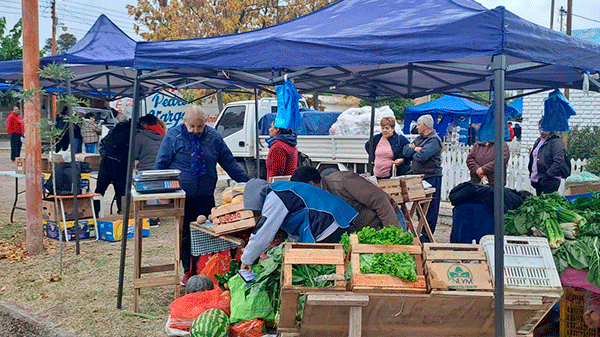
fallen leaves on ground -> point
(13, 251)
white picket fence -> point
(455, 171)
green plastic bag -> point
(249, 301)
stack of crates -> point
(531, 281)
(54, 226)
(571, 315)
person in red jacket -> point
(282, 159)
(511, 132)
(15, 128)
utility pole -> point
(552, 15)
(565, 135)
(562, 13)
(33, 147)
(53, 107)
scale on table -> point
(157, 181)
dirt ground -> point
(79, 292)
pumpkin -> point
(211, 323)
(198, 283)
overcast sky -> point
(79, 15)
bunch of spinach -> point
(583, 253)
(385, 236)
(234, 266)
(402, 265)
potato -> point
(201, 219)
(211, 217)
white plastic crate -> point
(528, 265)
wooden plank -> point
(156, 281)
(173, 212)
(235, 216)
(157, 268)
(136, 196)
(288, 308)
(314, 256)
(229, 208)
(211, 231)
(387, 283)
(355, 322)
(337, 299)
(450, 251)
(362, 248)
(232, 227)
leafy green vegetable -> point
(583, 253)
(234, 266)
(385, 236)
(402, 265)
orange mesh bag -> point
(186, 308)
(251, 328)
(217, 264)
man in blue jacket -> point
(195, 148)
(305, 212)
(426, 154)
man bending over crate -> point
(305, 212)
(375, 208)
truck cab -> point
(236, 124)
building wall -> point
(587, 108)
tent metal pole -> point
(134, 120)
(371, 133)
(74, 179)
(256, 140)
(499, 68)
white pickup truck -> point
(236, 124)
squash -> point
(198, 283)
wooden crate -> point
(456, 267)
(231, 218)
(382, 282)
(393, 188)
(306, 253)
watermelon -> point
(211, 323)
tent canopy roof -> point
(386, 47)
(447, 105)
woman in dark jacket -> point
(282, 159)
(548, 163)
(147, 142)
(388, 152)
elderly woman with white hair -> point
(195, 148)
(426, 154)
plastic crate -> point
(528, 265)
(571, 315)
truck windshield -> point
(232, 120)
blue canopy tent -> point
(313, 122)
(102, 62)
(446, 107)
(394, 48)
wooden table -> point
(383, 315)
(174, 208)
(420, 207)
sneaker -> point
(185, 278)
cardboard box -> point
(52, 229)
(84, 209)
(20, 169)
(47, 165)
(92, 159)
(111, 228)
(581, 187)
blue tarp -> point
(316, 123)
(445, 107)
(359, 35)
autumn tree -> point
(181, 19)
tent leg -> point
(371, 134)
(499, 68)
(256, 140)
(132, 131)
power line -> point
(583, 17)
(97, 9)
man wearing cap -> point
(375, 208)
(305, 212)
(426, 154)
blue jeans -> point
(78, 142)
(90, 147)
